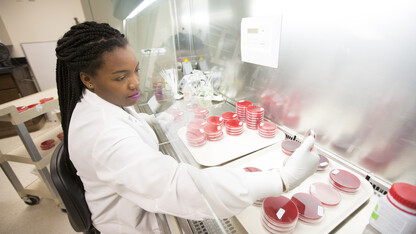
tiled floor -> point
(16, 217)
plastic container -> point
(396, 212)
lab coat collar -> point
(93, 98)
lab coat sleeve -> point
(159, 184)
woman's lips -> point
(135, 96)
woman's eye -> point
(120, 78)
(137, 70)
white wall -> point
(38, 20)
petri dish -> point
(229, 116)
(251, 169)
(244, 103)
(43, 100)
(48, 144)
(60, 136)
(323, 162)
(215, 120)
(280, 210)
(325, 193)
(344, 180)
(310, 208)
(22, 108)
(289, 146)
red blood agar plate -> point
(323, 163)
(325, 193)
(229, 115)
(215, 120)
(251, 169)
(289, 146)
(43, 100)
(32, 105)
(48, 144)
(60, 136)
(344, 180)
(22, 108)
(244, 103)
(280, 210)
(310, 208)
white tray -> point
(272, 156)
(214, 153)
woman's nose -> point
(135, 83)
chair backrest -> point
(71, 190)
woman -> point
(126, 179)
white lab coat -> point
(127, 180)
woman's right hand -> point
(300, 165)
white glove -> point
(300, 165)
(150, 119)
(165, 120)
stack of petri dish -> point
(325, 193)
(310, 208)
(195, 134)
(43, 100)
(213, 132)
(215, 120)
(21, 108)
(254, 116)
(279, 215)
(234, 127)
(228, 116)
(323, 162)
(48, 144)
(241, 109)
(60, 136)
(267, 129)
(289, 146)
(254, 169)
(201, 112)
(344, 180)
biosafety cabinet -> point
(345, 69)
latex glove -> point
(300, 165)
(165, 120)
(150, 119)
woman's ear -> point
(86, 80)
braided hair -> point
(80, 50)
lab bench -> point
(354, 221)
(30, 152)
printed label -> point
(323, 164)
(313, 189)
(280, 213)
(320, 211)
(335, 171)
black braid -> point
(80, 50)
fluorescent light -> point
(140, 8)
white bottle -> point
(396, 212)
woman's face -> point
(117, 80)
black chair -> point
(71, 191)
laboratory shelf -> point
(45, 102)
